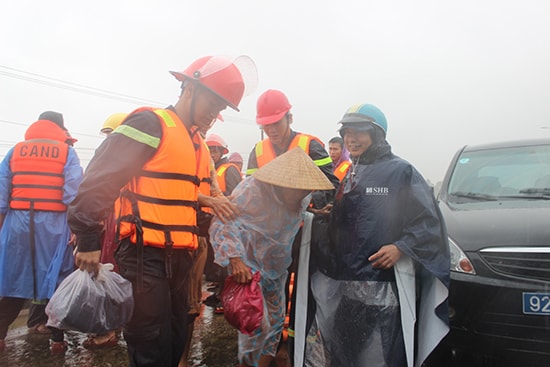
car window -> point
(512, 171)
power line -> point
(80, 88)
(238, 120)
(72, 132)
(75, 87)
(15, 123)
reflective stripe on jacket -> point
(342, 169)
(37, 165)
(163, 200)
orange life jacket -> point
(162, 200)
(37, 166)
(341, 170)
(220, 173)
(265, 152)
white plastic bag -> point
(91, 304)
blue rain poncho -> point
(262, 237)
(54, 258)
(366, 316)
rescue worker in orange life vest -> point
(39, 177)
(340, 157)
(228, 174)
(151, 167)
(274, 117)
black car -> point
(495, 199)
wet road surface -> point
(214, 345)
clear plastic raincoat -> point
(262, 237)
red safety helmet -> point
(222, 76)
(214, 140)
(272, 105)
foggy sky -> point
(445, 74)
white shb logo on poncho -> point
(377, 191)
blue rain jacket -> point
(54, 257)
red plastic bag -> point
(243, 304)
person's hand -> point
(386, 257)
(323, 211)
(240, 272)
(88, 261)
(223, 208)
(72, 240)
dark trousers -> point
(157, 332)
(9, 310)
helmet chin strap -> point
(192, 110)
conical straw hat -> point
(294, 169)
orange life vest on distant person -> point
(265, 152)
(37, 166)
(163, 199)
(220, 173)
(342, 169)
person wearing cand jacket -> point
(39, 177)
(385, 255)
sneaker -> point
(2, 345)
(58, 348)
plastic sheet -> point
(359, 323)
(90, 304)
(316, 353)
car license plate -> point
(536, 303)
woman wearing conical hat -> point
(272, 204)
